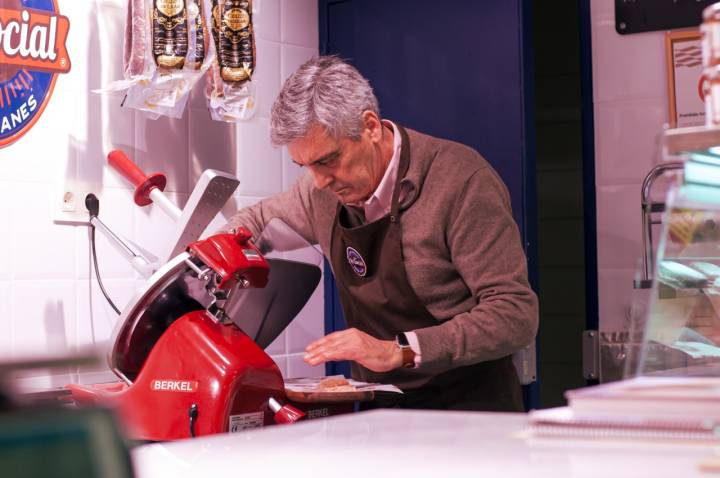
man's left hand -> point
(352, 344)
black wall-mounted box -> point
(635, 16)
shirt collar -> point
(383, 193)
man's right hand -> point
(353, 344)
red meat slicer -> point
(189, 348)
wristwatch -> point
(408, 356)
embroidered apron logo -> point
(32, 53)
(356, 262)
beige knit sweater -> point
(461, 246)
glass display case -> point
(682, 326)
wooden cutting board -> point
(314, 397)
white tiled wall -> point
(44, 316)
(629, 82)
(5, 197)
(268, 77)
(5, 319)
(47, 303)
(260, 167)
(298, 25)
(39, 249)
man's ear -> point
(373, 126)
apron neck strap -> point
(402, 170)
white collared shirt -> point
(378, 204)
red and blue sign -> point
(32, 53)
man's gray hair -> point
(323, 90)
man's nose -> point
(321, 180)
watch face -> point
(402, 340)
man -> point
(419, 233)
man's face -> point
(351, 169)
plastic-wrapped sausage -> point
(166, 53)
(237, 45)
(230, 92)
(170, 44)
(135, 40)
(216, 24)
(214, 82)
(198, 34)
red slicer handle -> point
(144, 184)
(284, 413)
(242, 236)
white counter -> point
(415, 444)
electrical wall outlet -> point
(69, 201)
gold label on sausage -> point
(170, 8)
(169, 33)
(236, 19)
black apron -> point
(377, 298)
